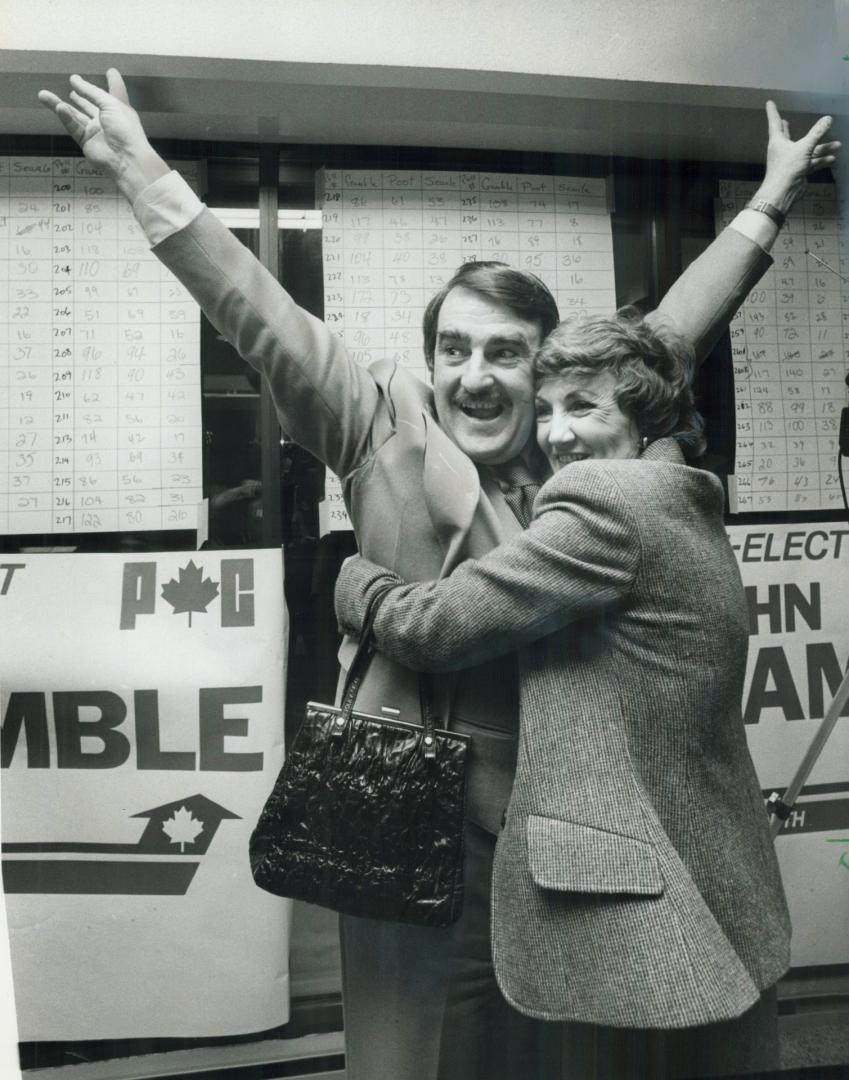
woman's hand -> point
(109, 131)
(789, 163)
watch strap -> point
(764, 207)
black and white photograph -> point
(424, 540)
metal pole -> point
(780, 807)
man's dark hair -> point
(523, 293)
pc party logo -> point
(190, 592)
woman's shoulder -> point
(659, 476)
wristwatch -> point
(764, 207)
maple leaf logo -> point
(182, 827)
(191, 592)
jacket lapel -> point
(463, 518)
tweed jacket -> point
(635, 880)
(416, 501)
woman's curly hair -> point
(651, 363)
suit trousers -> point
(422, 1003)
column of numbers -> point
(819, 206)
(786, 345)
(415, 241)
(499, 218)
(537, 232)
(769, 406)
(63, 318)
(585, 278)
(181, 438)
(95, 350)
(363, 256)
(36, 353)
(100, 420)
(140, 378)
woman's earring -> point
(645, 441)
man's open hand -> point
(108, 130)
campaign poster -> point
(142, 709)
(796, 579)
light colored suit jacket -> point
(635, 880)
(416, 501)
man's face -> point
(483, 384)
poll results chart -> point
(787, 344)
(100, 416)
(391, 239)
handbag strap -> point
(366, 648)
(428, 723)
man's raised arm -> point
(703, 300)
(324, 401)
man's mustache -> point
(481, 400)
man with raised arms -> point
(431, 477)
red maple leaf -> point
(191, 592)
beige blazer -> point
(416, 501)
(635, 880)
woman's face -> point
(578, 418)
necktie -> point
(520, 488)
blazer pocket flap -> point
(578, 858)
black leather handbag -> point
(366, 816)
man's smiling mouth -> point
(481, 411)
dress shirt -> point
(166, 206)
